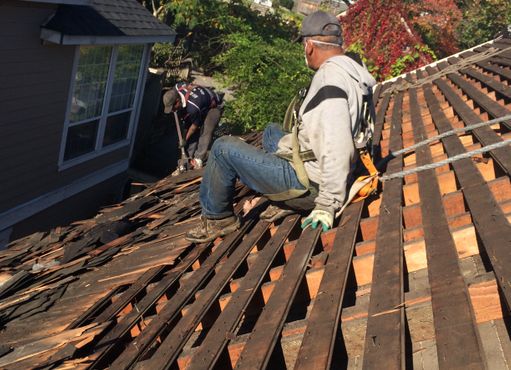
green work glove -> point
(326, 219)
(182, 144)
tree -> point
(382, 33)
(482, 20)
(287, 4)
(206, 25)
(437, 22)
(251, 52)
(265, 74)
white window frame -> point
(99, 150)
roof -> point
(417, 274)
(105, 22)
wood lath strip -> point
(175, 304)
(225, 326)
(318, 343)
(456, 337)
(491, 224)
(260, 346)
(494, 109)
(384, 343)
(216, 340)
(178, 336)
(485, 135)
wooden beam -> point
(384, 345)
(456, 336)
(171, 309)
(485, 135)
(224, 327)
(318, 343)
(490, 222)
(261, 344)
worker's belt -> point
(305, 156)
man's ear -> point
(309, 46)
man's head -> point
(171, 101)
(322, 38)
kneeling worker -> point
(327, 125)
(199, 109)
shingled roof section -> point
(103, 21)
(416, 275)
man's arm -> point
(191, 130)
(332, 143)
(193, 117)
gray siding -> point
(34, 86)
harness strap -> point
(299, 168)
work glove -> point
(182, 143)
(326, 219)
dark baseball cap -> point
(321, 24)
(169, 99)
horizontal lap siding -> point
(33, 95)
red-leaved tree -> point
(437, 22)
(382, 33)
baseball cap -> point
(169, 98)
(320, 24)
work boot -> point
(210, 229)
(181, 168)
(274, 213)
(176, 172)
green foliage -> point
(285, 3)
(160, 54)
(205, 24)
(251, 52)
(482, 20)
(266, 75)
(411, 58)
(358, 48)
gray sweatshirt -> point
(329, 119)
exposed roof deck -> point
(416, 275)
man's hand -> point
(326, 219)
(182, 143)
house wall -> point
(34, 88)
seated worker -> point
(199, 109)
(328, 120)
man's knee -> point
(223, 144)
(271, 128)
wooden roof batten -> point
(415, 276)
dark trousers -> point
(200, 142)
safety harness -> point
(365, 185)
(185, 90)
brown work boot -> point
(274, 213)
(210, 229)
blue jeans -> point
(261, 170)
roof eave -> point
(59, 38)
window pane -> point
(116, 128)
(127, 68)
(81, 139)
(90, 82)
